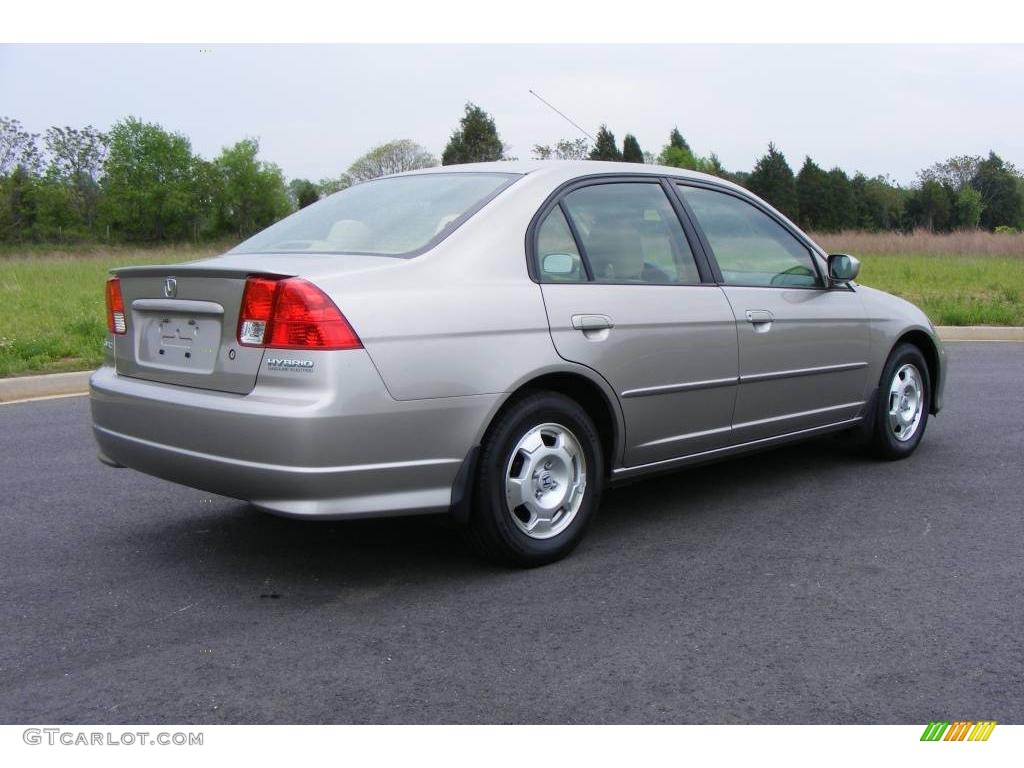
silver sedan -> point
(501, 342)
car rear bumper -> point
(327, 444)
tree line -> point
(139, 182)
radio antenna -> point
(558, 111)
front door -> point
(625, 297)
(803, 346)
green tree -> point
(605, 147)
(253, 193)
(711, 165)
(394, 157)
(998, 183)
(677, 153)
(967, 208)
(877, 203)
(812, 190)
(676, 140)
(956, 172)
(18, 204)
(564, 149)
(476, 139)
(76, 158)
(842, 212)
(303, 192)
(773, 180)
(330, 186)
(148, 190)
(18, 148)
(207, 193)
(929, 206)
(631, 152)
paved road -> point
(805, 585)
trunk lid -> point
(183, 318)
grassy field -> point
(964, 278)
(52, 315)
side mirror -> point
(559, 264)
(843, 268)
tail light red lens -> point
(116, 322)
(292, 314)
(257, 306)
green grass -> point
(52, 306)
(951, 289)
(52, 315)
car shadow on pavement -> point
(232, 539)
(705, 489)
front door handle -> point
(592, 322)
(761, 319)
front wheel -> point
(901, 411)
(538, 481)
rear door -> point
(803, 345)
(626, 296)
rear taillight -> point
(115, 307)
(257, 306)
(291, 314)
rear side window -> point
(630, 233)
(558, 258)
(751, 248)
(394, 216)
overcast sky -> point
(877, 109)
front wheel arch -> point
(924, 342)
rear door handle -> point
(592, 322)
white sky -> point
(879, 109)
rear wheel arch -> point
(924, 342)
(582, 389)
(590, 396)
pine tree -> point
(677, 152)
(812, 196)
(842, 212)
(773, 180)
(605, 147)
(475, 141)
(631, 152)
(676, 141)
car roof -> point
(565, 167)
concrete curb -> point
(61, 384)
(50, 385)
(980, 332)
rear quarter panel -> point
(462, 319)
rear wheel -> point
(538, 481)
(901, 411)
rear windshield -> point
(396, 216)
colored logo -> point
(960, 730)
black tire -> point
(884, 442)
(492, 531)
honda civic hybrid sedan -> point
(500, 342)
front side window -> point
(629, 233)
(384, 217)
(751, 248)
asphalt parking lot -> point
(804, 585)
